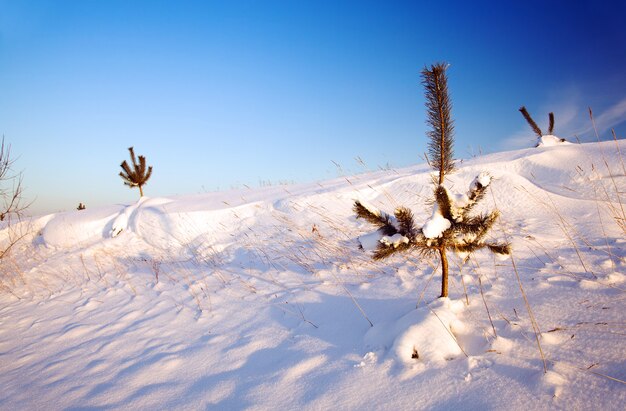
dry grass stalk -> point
(620, 217)
(531, 315)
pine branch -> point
(126, 169)
(465, 248)
(438, 117)
(497, 248)
(379, 219)
(487, 225)
(551, 125)
(127, 181)
(148, 174)
(477, 190)
(475, 195)
(503, 249)
(443, 202)
(141, 170)
(132, 157)
(406, 223)
(531, 122)
(472, 225)
(383, 251)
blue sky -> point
(217, 94)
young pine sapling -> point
(138, 175)
(451, 227)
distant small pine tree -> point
(451, 227)
(536, 128)
(138, 175)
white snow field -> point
(261, 298)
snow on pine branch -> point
(450, 224)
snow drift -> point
(261, 299)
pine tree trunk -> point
(444, 272)
(140, 191)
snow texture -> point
(260, 299)
(435, 226)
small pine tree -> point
(536, 128)
(139, 175)
(451, 226)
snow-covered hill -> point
(261, 298)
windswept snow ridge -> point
(261, 299)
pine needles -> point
(438, 117)
(375, 217)
(531, 122)
(550, 123)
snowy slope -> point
(261, 299)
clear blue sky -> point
(218, 94)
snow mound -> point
(65, 230)
(147, 217)
(431, 338)
(128, 218)
(424, 338)
(549, 141)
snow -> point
(261, 299)
(459, 200)
(484, 179)
(394, 240)
(428, 333)
(435, 225)
(370, 241)
(551, 141)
